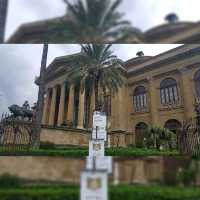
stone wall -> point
(65, 136)
(61, 169)
(78, 137)
(43, 168)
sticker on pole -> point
(99, 134)
(99, 120)
(99, 126)
(96, 148)
(94, 185)
(101, 163)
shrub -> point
(7, 181)
(47, 145)
(157, 137)
(188, 176)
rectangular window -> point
(171, 96)
(138, 102)
(162, 96)
(141, 101)
(145, 100)
(167, 95)
(175, 93)
(135, 102)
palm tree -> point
(3, 16)
(97, 68)
(96, 21)
(41, 93)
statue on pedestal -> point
(23, 112)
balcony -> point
(141, 109)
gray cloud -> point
(18, 67)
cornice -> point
(170, 60)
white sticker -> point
(101, 163)
(94, 185)
(99, 120)
(99, 133)
(99, 126)
(96, 148)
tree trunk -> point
(96, 91)
(3, 16)
(41, 93)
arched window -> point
(173, 125)
(197, 83)
(169, 91)
(140, 98)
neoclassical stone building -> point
(159, 90)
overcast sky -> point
(20, 64)
(143, 14)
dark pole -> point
(3, 17)
(41, 93)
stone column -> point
(187, 95)
(114, 112)
(81, 110)
(53, 107)
(45, 110)
(70, 106)
(122, 101)
(61, 105)
(153, 101)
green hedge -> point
(116, 193)
(7, 181)
(80, 152)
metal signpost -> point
(94, 180)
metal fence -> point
(15, 134)
(189, 137)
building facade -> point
(160, 90)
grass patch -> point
(120, 192)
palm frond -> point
(94, 20)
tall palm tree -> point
(97, 68)
(96, 21)
(40, 102)
(3, 16)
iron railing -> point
(188, 137)
(15, 134)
